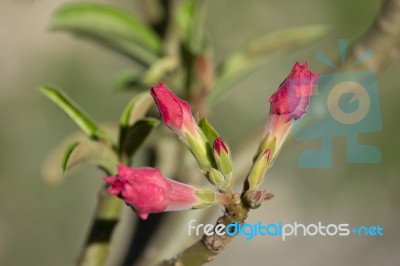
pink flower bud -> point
(175, 112)
(293, 95)
(219, 146)
(223, 159)
(146, 190)
(289, 103)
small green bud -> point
(222, 156)
(258, 170)
(218, 179)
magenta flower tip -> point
(219, 146)
(175, 112)
(293, 95)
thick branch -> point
(383, 38)
(207, 248)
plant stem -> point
(207, 248)
(97, 246)
(383, 38)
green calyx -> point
(206, 197)
(261, 162)
(218, 179)
(200, 149)
(224, 163)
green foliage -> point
(247, 59)
(134, 129)
(136, 109)
(110, 26)
(91, 152)
(136, 134)
(84, 122)
(208, 130)
(175, 51)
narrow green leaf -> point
(67, 154)
(90, 152)
(254, 54)
(52, 173)
(83, 121)
(136, 134)
(112, 27)
(136, 109)
(208, 130)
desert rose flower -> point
(146, 190)
(288, 104)
(176, 114)
(293, 95)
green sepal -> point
(206, 196)
(208, 130)
(200, 150)
(257, 172)
(218, 179)
(224, 162)
(267, 143)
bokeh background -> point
(41, 224)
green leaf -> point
(133, 129)
(90, 152)
(112, 27)
(84, 122)
(136, 109)
(208, 130)
(67, 154)
(137, 134)
(254, 54)
(51, 171)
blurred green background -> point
(42, 224)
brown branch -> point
(383, 38)
(207, 248)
